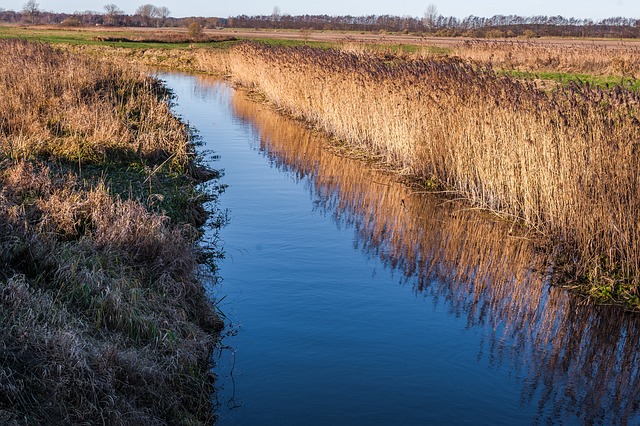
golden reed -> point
(474, 267)
(563, 162)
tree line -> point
(435, 24)
(147, 15)
(432, 23)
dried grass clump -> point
(105, 318)
(563, 162)
(83, 109)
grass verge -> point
(566, 79)
(102, 285)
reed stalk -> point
(563, 162)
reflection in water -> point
(579, 361)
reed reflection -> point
(577, 360)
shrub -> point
(194, 29)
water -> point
(354, 301)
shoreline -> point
(105, 312)
(602, 275)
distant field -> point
(601, 62)
(87, 35)
(446, 42)
(172, 38)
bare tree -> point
(147, 12)
(431, 16)
(112, 14)
(163, 13)
(31, 10)
(112, 9)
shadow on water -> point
(580, 362)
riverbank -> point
(559, 159)
(315, 238)
(106, 317)
(561, 162)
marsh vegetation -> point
(103, 299)
(562, 162)
(104, 313)
(578, 362)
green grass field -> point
(568, 78)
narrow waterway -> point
(354, 301)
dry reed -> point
(535, 56)
(104, 314)
(563, 162)
(480, 269)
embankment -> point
(563, 162)
(105, 318)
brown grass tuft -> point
(96, 107)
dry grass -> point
(104, 314)
(534, 56)
(563, 163)
(166, 37)
(212, 61)
(96, 107)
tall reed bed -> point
(622, 60)
(563, 162)
(103, 311)
(479, 271)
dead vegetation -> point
(82, 109)
(105, 318)
(621, 59)
(563, 162)
(191, 36)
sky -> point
(459, 8)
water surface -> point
(355, 301)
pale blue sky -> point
(459, 8)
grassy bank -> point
(562, 162)
(105, 319)
(141, 38)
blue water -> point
(352, 301)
